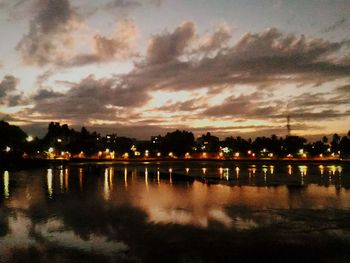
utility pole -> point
(289, 129)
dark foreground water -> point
(176, 212)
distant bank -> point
(34, 163)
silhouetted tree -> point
(344, 147)
(11, 136)
(208, 143)
(324, 139)
(292, 144)
(178, 142)
(335, 143)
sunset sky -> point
(140, 68)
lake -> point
(176, 212)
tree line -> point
(61, 139)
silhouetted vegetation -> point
(61, 141)
(178, 142)
(12, 142)
(11, 136)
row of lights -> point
(171, 155)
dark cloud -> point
(167, 47)
(344, 89)
(175, 61)
(265, 59)
(123, 4)
(244, 105)
(7, 85)
(307, 100)
(48, 33)
(318, 106)
(302, 115)
(305, 107)
(40, 79)
(52, 39)
(15, 100)
(16, 9)
(44, 94)
(188, 105)
(215, 41)
(337, 24)
(7, 89)
(53, 15)
(91, 99)
(127, 5)
(120, 46)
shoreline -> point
(238, 160)
(241, 160)
(35, 163)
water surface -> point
(176, 212)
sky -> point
(141, 68)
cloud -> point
(303, 115)
(15, 100)
(89, 100)
(215, 41)
(178, 61)
(7, 87)
(337, 25)
(252, 106)
(127, 5)
(167, 47)
(9, 94)
(58, 35)
(17, 9)
(188, 105)
(44, 94)
(265, 59)
(310, 100)
(121, 46)
(8, 84)
(123, 4)
(304, 107)
(157, 3)
(344, 89)
(48, 37)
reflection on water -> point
(6, 185)
(49, 182)
(108, 210)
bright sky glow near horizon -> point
(141, 68)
